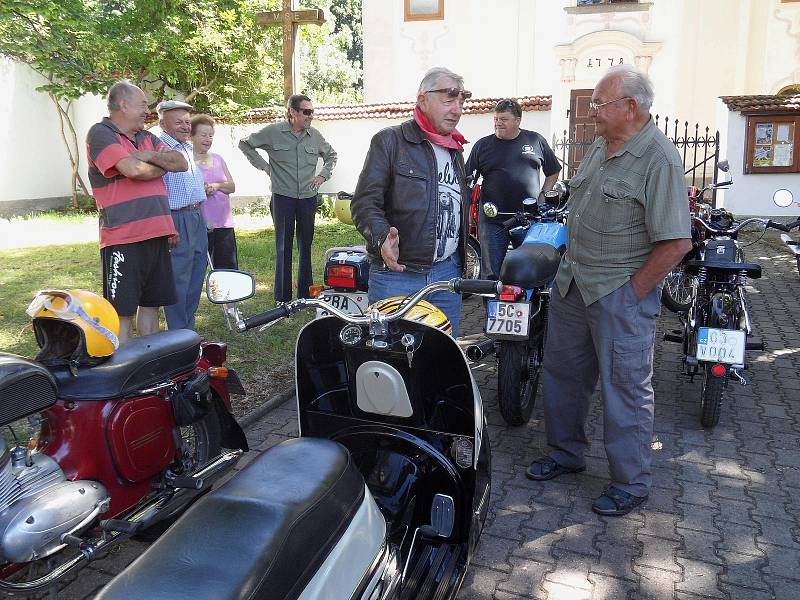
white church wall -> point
(694, 51)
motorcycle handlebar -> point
(266, 317)
(472, 286)
(511, 223)
(780, 226)
(477, 286)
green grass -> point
(24, 271)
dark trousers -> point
(286, 212)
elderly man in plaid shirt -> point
(186, 192)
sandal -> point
(544, 468)
(615, 502)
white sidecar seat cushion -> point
(263, 534)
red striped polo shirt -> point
(131, 210)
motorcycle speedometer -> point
(350, 335)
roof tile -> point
(789, 103)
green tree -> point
(332, 55)
(56, 38)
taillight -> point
(511, 293)
(718, 370)
(341, 276)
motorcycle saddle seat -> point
(752, 270)
(263, 534)
(530, 265)
(141, 362)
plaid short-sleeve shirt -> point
(620, 207)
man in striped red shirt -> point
(126, 165)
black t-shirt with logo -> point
(510, 168)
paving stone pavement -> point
(723, 516)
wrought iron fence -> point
(699, 149)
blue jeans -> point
(384, 283)
(494, 245)
(189, 261)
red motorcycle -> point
(115, 440)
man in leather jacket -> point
(411, 203)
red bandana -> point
(452, 140)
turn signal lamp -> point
(510, 293)
(315, 290)
(218, 372)
(718, 370)
(341, 276)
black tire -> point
(519, 367)
(711, 401)
(676, 295)
(473, 268)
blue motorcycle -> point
(516, 323)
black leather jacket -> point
(398, 187)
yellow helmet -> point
(341, 207)
(73, 325)
(423, 312)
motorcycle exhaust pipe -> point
(480, 350)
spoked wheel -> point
(201, 441)
(676, 294)
(519, 366)
(473, 269)
(711, 401)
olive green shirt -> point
(619, 208)
(292, 158)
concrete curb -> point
(253, 416)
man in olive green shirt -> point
(293, 147)
(628, 227)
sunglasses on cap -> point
(453, 92)
(306, 111)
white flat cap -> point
(170, 105)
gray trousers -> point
(610, 340)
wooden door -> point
(581, 127)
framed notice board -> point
(773, 144)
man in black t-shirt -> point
(510, 162)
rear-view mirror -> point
(227, 285)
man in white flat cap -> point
(185, 192)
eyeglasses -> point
(595, 106)
(306, 111)
(453, 92)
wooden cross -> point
(290, 18)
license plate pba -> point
(348, 302)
